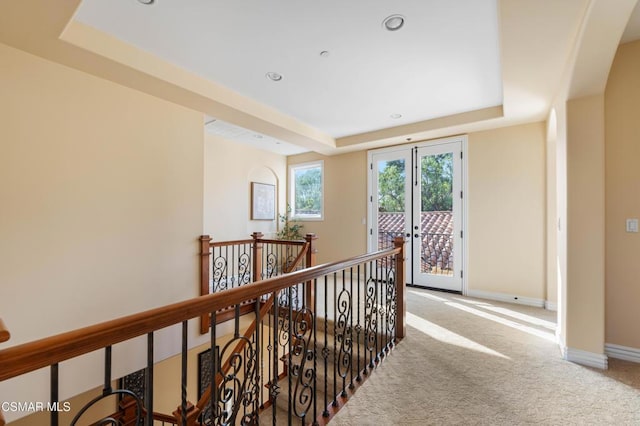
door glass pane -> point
(391, 201)
(436, 215)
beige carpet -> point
(476, 362)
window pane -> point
(308, 191)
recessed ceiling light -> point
(257, 136)
(396, 116)
(273, 76)
(324, 53)
(147, 1)
(393, 22)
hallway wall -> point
(101, 204)
(622, 185)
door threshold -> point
(443, 290)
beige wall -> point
(507, 211)
(343, 232)
(585, 224)
(101, 190)
(229, 169)
(622, 171)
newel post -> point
(256, 263)
(401, 286)
(311, 238)
(205, 260)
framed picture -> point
(263, 201)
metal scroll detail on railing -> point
(231, 264)
(302, 359)
(237, 390)
(297, 362)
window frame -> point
(292, 190)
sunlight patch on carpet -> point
(447, 336)
(516, 325)
(517, 315)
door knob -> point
(417, 235)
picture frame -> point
(263, 201)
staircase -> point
(342, 363)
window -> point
(306, 182)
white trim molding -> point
(551, 306)
(590, 359)
(622, 352)
(509, 298)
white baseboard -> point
(551, 306)
(622, 352)
(590, 359)
(509, 298)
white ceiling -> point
(455, 66)
(444, 61)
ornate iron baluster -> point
(183, 379)
(359, 328)
(214, 412)
(290, 355)
(371, 316)
(343, 335)
(351, 385)
(301, 356)
(391, 298)
(219, 272)
(325, 350)
(274, 388)
(54, 393)
(244, 267)
(149, 379)
(315, 351)
(335, 337)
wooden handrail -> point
(284, 242)
(230, 243)
(4, 332)
(21, 359)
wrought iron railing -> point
(229, 264)
(386, 238)
(299, 361)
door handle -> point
(408, 235)
(417, 235)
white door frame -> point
(372, 243)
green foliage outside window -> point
(308, 191)
(437, 183)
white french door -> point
(391, 208)
(437, 217)
(416, 192)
